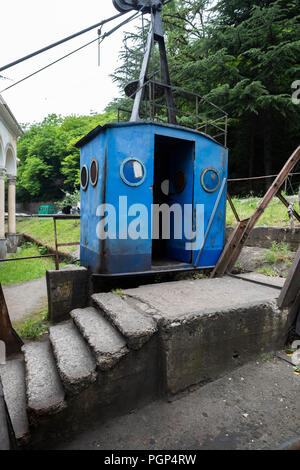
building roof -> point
(9, 119)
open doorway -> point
(173, 188)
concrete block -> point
(207, 346)
(67, 290)
(210, 326)
(76, 366)
(134, 325)
(104, 340)
(13, 380)
(44, 391)
(265, 236)
(4, 434)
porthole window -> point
(84, 177)
(94, 172)
(133, 172)
(179, 181)
(210, 180)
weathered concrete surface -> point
(250, 259)
(45, 394)
(76, 365)
(255, 407)
(183, 299)
(4, 434)
(67, 289)
(104, 340)
(26, 298)
(133, 324)
(13, 380)
(265, 236)
(210, 326)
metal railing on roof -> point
(192, 111)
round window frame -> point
(139, 183)
(94, 183)
(84, 188)
(210, 191)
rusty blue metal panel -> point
(211, 155)
(123, 142)
(113, 144)
(90, 249)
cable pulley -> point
(145, 6)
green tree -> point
(49, 160)
(244, 56)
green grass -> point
(278, 252)
(275, 214)
(42, 230)
(33, 327)
(14, 272)
(267, 271)
(117, 292)
(278, 260)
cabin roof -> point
(95, 132)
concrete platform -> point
(210, 326)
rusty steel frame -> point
(233, 207)
(236, 242)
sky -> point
(76, 85)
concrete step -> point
(135, 326)
(104, 340)
(75, 363)
(45, 393)
(13, 381)
(4, 433)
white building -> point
(9, 133)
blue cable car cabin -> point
(129, 168)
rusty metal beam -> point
(234, 246)
(236, 215)
(8, 335)
(226, 256)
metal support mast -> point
(155, 34)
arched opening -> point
(10, 163)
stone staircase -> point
(87, 365)
(126, 350)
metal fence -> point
(56, 254)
